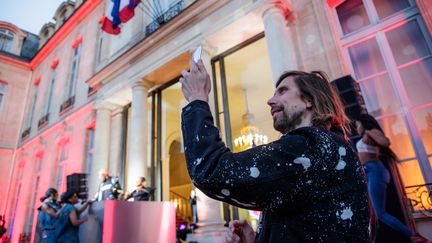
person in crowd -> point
(69, 220)
(48, 214)
(193, 203)
(2, 226)
(309, 184)
(141, 193)
(239, 231)
(373, 142)
(109, 187)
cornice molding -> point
(15, 62)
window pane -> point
(366, 58)
(418, 82)
(395, 129)
(411, 175)
(407, 43)
(249, 84)
(379, 96)
(352, 16)
(423, 120)
(389, 7)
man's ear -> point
(308, 101)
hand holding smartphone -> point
(196, 55)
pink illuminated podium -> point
(132, 222)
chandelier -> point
(250, 135)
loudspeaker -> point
(350, 94)
(78, 182)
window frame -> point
(3, 92)
(9, 37)
(74, 72)
(377, 29)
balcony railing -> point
(26, 133)
(420, 198)
(43, 121)
(91, 91)
(164, 18)
(67, 104)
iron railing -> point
(68, 103)
(91, 91)
(420, 198)
(165, 17)
(26, 133)
(43, 121)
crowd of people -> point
(59, 220)
(310, 184)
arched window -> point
(63, 16)
(6, 40)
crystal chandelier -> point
(250, 135)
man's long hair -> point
(327, 108)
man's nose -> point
(271, 101)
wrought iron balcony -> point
(67, 104)
(91, 91)
(26, 133)
(164, 18)
(43, 121)
(420, 198)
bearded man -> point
(308, 184)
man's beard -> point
(287, 123)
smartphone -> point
(196, 55)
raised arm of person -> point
(262, 177)
(379, 137)
(83, 208)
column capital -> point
(141, 84)
(117, 111)
(282, 7)
(105, 105)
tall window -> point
(243, 83)
(32, 206)
(38, 164)
(90, 149)
(32, 106)
(6, 40)
(2, 93)
(99, 46)
(390, 52)
(50, 92)
(59, 181)
(63, 152)
(73, 73)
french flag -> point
(122, 11)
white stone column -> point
(211, 226)
(137, 134)
(280, 44)
(101, 144)
(116, 146)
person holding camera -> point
(309, 184)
